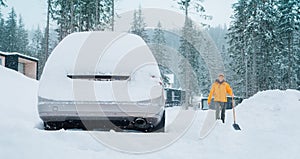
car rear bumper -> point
(51, 110)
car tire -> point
(53, 125)
(161, 126)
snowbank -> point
(270, 129)
(18, 99)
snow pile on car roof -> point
(101, 53)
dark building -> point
(22, 63)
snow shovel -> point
(235, 125)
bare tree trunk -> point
(186, 8)
(97, 17)
(72, 17)
(290, 63)
(112, 15)
(187, 80)
(246, 73)
(47, 31)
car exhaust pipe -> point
(140, 123)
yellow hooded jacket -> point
(219, 91)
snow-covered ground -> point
(270, 129)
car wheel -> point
(53, 125)
(161, 126)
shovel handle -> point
(233, 110)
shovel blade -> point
(236, 126)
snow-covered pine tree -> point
(196, 75)
(193, 6)
(10, 35)
(191, 65)
(259, 33)
(158, 48)
(200, 67)
(62, 12)
(91, 15)
(2, 32)
(36, 42)
(138, 25)
(37, 48)
(237, 47)
(288, 29)
(262, 44)
(22, 40)
(267, 21)
(158, 45)
(84, 15)
(188, 65)
(2, 3)
(218, 34)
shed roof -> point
(18, 54)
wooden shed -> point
(24, 64)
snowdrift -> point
(270, 129)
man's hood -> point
(220, 82)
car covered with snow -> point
(96, 79)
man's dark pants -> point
(220, 106)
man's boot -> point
(223, 114)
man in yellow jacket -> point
(219, 90)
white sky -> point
(34, 11)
